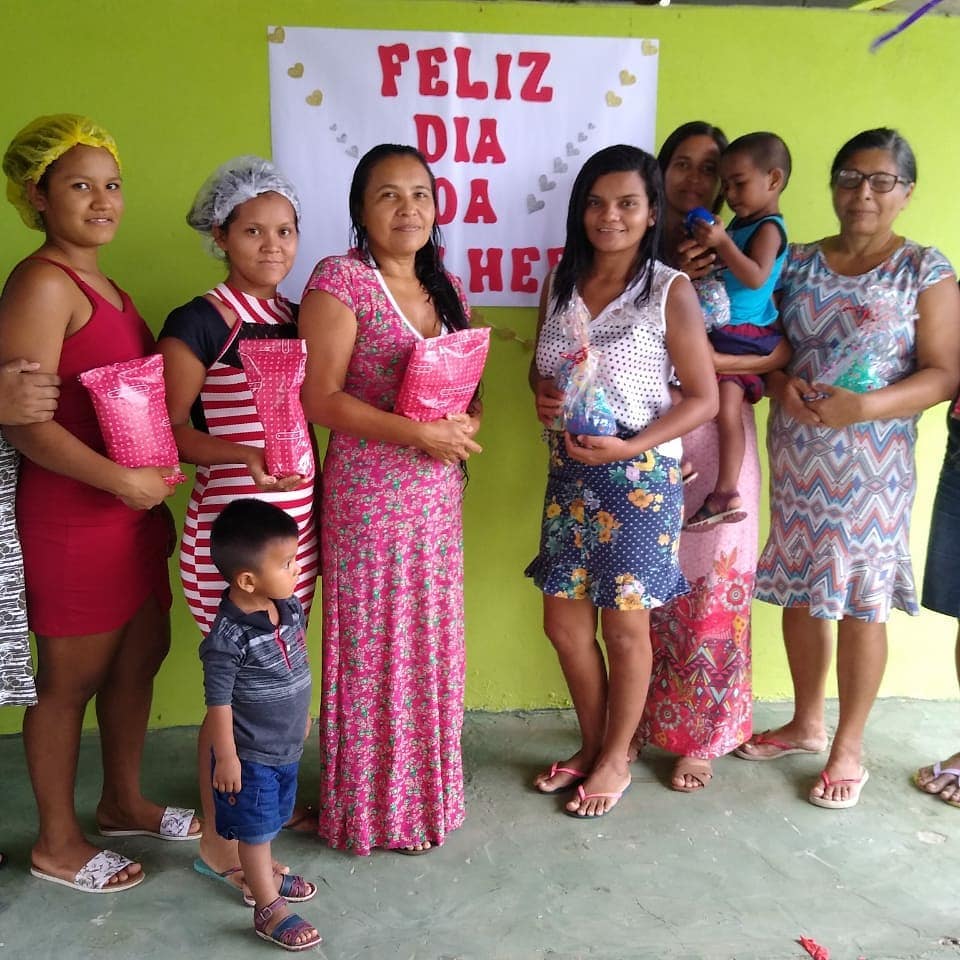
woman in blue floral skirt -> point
(614, 504)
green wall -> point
(183, 86)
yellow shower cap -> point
(37, 145)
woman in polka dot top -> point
(614, 504)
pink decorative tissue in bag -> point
(131, 407)
(443, 374)
(275, 371)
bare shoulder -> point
(38, 306)
(39, 286)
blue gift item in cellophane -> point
(866, 358)
(714, 301)
(585, 409)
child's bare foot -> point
(719, 507)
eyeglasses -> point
(879, 182)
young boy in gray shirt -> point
(257, 685)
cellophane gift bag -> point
(865, 360)
(714, 301)
(443, 374)
(275, 370)
(585, 408)
(130, 402)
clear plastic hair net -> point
(37, 145)
(233, 183)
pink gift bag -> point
(131, 407)
(443, 374)
(275, 371)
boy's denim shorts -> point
(264, 804)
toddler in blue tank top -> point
(754, 171)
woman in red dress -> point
(95, 538)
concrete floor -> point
(739, 871)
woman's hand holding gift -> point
(837, 407)
(256, 463)
(594, 451)
(450, 439)
(549, 401)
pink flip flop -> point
(856, 786)
(784, 749)
(555, 768)
(583, 797)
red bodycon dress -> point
(89, 561)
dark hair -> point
(427, 264)
(881, 138)
(695, 128)
(766, 150)
(578, 253)
(43, 184)
(243, 530)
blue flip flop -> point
(205, 870)
(292, 886)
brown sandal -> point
(700, 770)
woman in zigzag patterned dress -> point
(842, 475)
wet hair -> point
(695, 128)
(427, 264)
(880, 138)
(243, 530)
(578, 252)
(766, 151)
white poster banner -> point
(505, 122)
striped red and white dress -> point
(225, 408)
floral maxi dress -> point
(391, 707)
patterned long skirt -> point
(700, 702)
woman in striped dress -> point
(250, 212)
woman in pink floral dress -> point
(699, 704)
(393, 658)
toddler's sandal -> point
(286, 933)
(294, 888)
